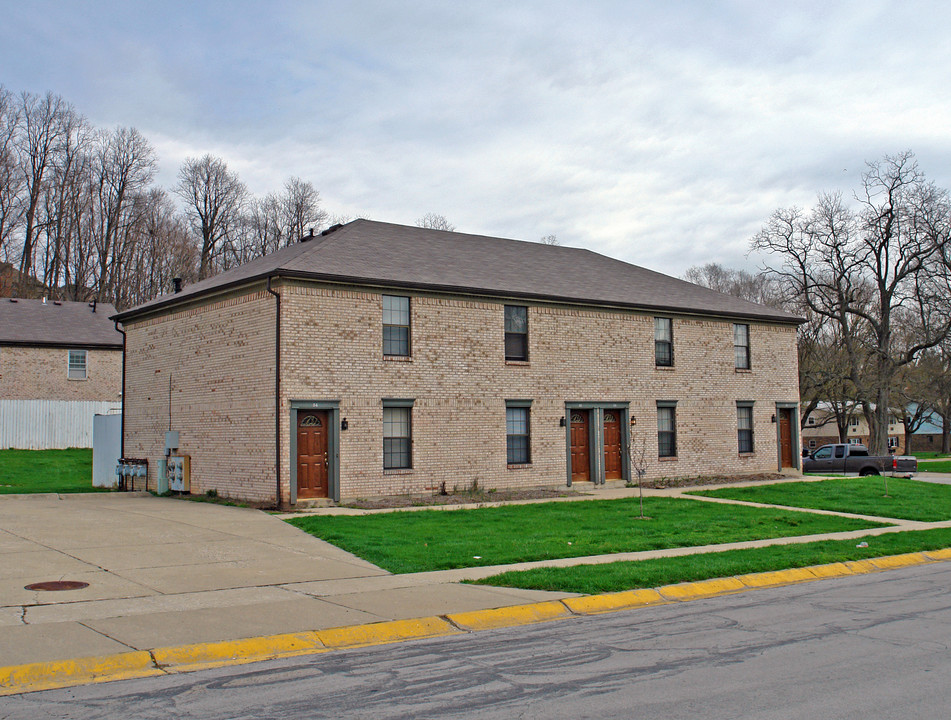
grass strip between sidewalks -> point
(404, 542)
(618, 576)
(46, 471)
(936, 466)
(907, 499)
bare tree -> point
(214, 197)
(549, 240)
(433, 221)
(11, 180)
(861, 270)
(759, 288)
(43, 123)
(300, 208)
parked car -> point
(847, 459)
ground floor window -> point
(666, 429)
(397, 436)
(517, 434)
(744, 427)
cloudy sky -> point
(661, 133)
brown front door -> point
(612, 445)
(785, 438)
(580, 462)
(313, 463)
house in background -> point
(820, 429)
(378, 359)
(60, 364)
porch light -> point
(561, 423)
(344, 424)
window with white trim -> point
(518, 439)
(396, 326)
(666, 429)
(663, 342)
(741, 346)
(76, 365)
(397, 435)
(744, 427)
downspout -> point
(277, 391)
(122, 416)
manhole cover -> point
(58, 585)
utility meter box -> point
(178, 473)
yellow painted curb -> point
(704, 588)
(860, 567)
(140, 664)
(790, 576)
(836, 569)
(609, 602)
(509, 616)
(81, 671)
(201, 656)
(385, 632)
(895, 561)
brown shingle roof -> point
(377, 253)
(62, 324)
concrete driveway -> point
(166, 572)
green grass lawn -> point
(938, 466)
(403, 542)
(929, 455)
(614, 577)
(46, 471)
(907, 499)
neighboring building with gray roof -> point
(60, 364)
(375, 359)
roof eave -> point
(435, 287)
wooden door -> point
(580, 461)
(785, 438)
(313, 461)
(612, 445)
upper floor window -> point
(396, 325)
(397, 435)
(741, 346)
(663, 342)
(666, 429)
(744, 427)
(516, 332)
(517, 434)
(77, 365)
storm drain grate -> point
(57, 585)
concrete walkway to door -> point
(163, 572)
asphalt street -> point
(871, 646)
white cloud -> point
(662, 134)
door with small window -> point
(313, 459)
(580, 459)
(613, 468)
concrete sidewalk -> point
(164, 572)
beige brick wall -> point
(221, 357)
(460, 380)
(39, 373)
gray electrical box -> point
(171, 441)
(178, 473)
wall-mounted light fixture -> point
(561, 423)
(633, 421)
(773, 419)
(344, 424)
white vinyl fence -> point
(48, 424)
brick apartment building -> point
(379, 359)
(60, 364)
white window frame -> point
(76, 370)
